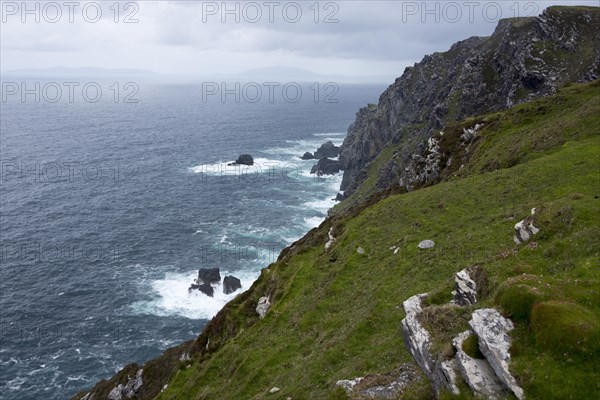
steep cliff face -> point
(525, 58)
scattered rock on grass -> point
(525, 229)
(263, 306)
(426, 244)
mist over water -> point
(109, 209)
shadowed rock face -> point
(204, 287)
(327, 149)
(208, 275)
(524, 59)
(308, 156)
(206, 278)
(325, 166)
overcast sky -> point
(196, 38)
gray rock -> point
(206, 278)
(331, 240)
(231, 284)
(524, 230)
(208, 275)
(128, 390)
(478, 374)
(204, 287)
(327, 150)
(466, 289)
(349, 384)
(243, 159)
(426, 244)
(418, 342)
(307, 156)
(360, 251)
(492, 330)
(385, 386)
(263, 306)
(274, 390)
(325, 166)
(340, 197)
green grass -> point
(471, 347)
(336, 315)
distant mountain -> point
(287, 73)
(79, 71)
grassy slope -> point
(337, 314)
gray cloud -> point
(177, 37)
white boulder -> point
(477, 373)
(263, 306)
(426, 244)
(524, 230)
(492, 330)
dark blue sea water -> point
(107, 210)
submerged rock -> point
(263, 306)
(492, 330)
(308, 156)
(327, 149)
(477, 373)
(231, 284)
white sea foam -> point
(220, 168)
(173, 298)
(15, 384)
(313, 222)
(297, 148)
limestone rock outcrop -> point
(417, 339)
(492, 330)
(477, 373)
(128, 390)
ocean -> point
(108, 208)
